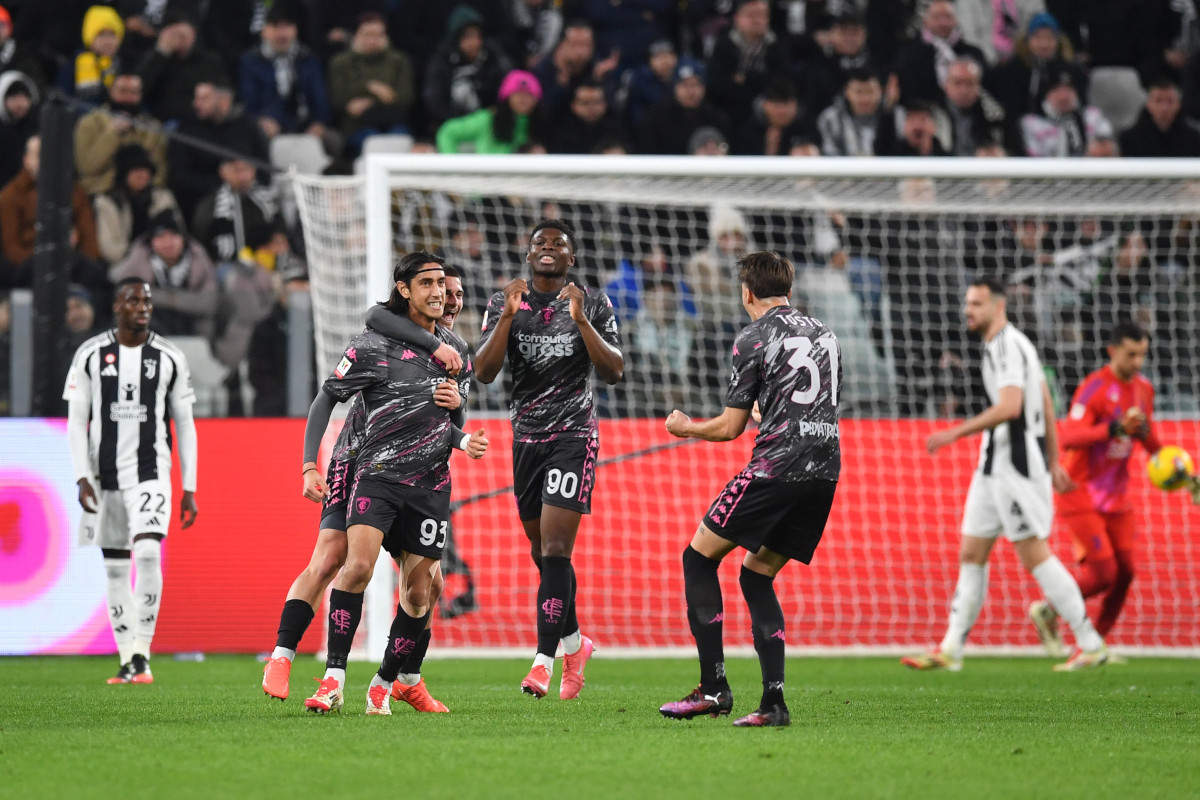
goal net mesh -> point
(884, 261)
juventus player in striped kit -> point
(1011, 491)
(789, 365)
(123, 389)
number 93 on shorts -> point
(124, 513)
(561, 473)
(413, 519)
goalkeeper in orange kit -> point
(1110, 413)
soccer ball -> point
(1170, 468)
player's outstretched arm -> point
(1011, 401)
(314, 429)
(403, 329)
(728, 426)
(185, 430)
(607, 359)
(489, 358)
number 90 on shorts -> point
(561, 473)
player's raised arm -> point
(402, 329)
(728, 426)
(606, 356)
(497, 322)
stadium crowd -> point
(178, 102)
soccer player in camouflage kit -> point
(553, 333)
(789, 364)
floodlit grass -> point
(861, 727)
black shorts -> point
(414, 519)
(333, 511)
(787, 517)
(561, 473)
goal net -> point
(883, 250)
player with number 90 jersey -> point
(790, 364)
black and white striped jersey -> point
(1010, 359)
(133, 393)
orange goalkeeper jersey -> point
(1097, 462)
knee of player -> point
(554, 549)
(418, 597)
(327, 564)
(435, 588)
(356, 572)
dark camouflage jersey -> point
(350, 439)
(791, 364)
(551, 369)
(406, 436)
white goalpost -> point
(883, 249)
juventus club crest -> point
(151, 365)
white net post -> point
(883, 248)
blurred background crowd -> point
(187, 109)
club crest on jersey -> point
(342, 368)
(547, 315)
(362, 504)
(151, 366)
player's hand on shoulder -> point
(1061, 479)
(477, 445)
(314, 485)
(188, 510)
(576, 296)
(87, 496)
(450, 357)
(677, 424)
(513, 292)
(446, 395)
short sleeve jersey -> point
(791, 365)
(551, 370)
(133, 393)
(1103, 468)
(406, 436)
(1018, 445)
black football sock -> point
(766, 618)
(412, 665)
(345, 610)
(554, 595)
(402, 642)
(706, 617)
(570, 622)
(293, 622)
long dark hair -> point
(504, 123)
(405, 269)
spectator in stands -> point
(718, 311)
(18, 224)
(333, 24)
(922, 65)
(14, 56)
(18, 120)
(248, 286)
(644, 87)
(536, 28)
(515, 121)
(223, 218)
(667, 129)
(175, 65)
(214, 119)
(120, 121)
(371, 85)
(970, 115)
(98, 64)
(80, 319)
(1065, 127)
(1118, 33)
(587, 126)
(917, 134)
(708, 141)
(124, 213)
(1020, 83)
(267, 366)
(849, 126)
(823, 74)
(776, 124)
(50, 30)
(1161, 131)
(231, 27)
(180, 273)
(281, 83)
(573, 61)
(744, 59)
(466, 71)
(891, 26)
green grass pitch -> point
(861, 728)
